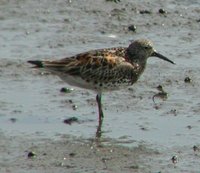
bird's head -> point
(139, 50)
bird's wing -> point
(93, 65)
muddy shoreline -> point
(139, 134)
(70, 155)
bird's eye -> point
(146, 47)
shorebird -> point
(103, 69)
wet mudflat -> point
(143, 128)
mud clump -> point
(116, 1)
(31, 155)
(132, 28)
(70, 120)
(145, 12)
(187, 80)
(66, 90)
(162, 11)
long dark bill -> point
(162, 57)
(38, 64)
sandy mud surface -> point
(139, 134)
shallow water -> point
(50, 30)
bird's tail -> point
(37, 63)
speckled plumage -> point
(100, 70)
(104, 69)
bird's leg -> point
(98, 99)
(99, 132)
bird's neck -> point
(135, 61)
